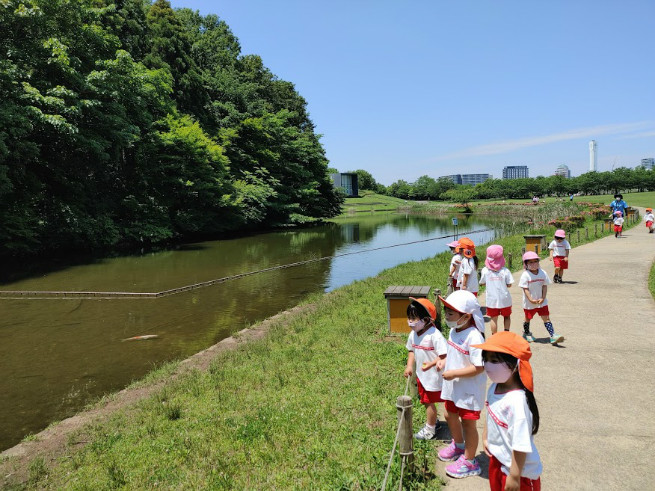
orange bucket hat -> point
(427, 305)
(512, 344)
(466, 247)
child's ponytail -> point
(532, 404)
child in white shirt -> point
(649, 218)
(618, 224)
(468, 270)
(512, 414)
(534, 282)
(464, 382)
(427, 348)
(559, 254)
(497, 278)
(455, 262)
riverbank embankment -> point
(310, 404)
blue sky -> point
(406, 88)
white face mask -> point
(533, 266)
(416, 325)
(498, 372)
(454, 324)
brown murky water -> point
(56, 354)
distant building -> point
(456, 178)
(648, 164)
(469, 179)
(563, 171)
(346, 181)
(474, 179)
(592, 156)
(515, 172)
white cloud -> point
(533, 141)
(645, 134)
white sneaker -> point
(426, 433)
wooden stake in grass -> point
(405, 431)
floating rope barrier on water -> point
(33, 294)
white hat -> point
(465, 303)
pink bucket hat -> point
(560, 233)
(454, 243)
(495, 259)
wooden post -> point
(595, 230)
(522, 251)
(509, 260)
(578, 234)
(405, 431)
(586, 233)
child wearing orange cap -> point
(427, 348)
(464, 382)
(468, 270)
(512, 414)
(534, 281)
(455, 263)
(559, 254)
(649, 218)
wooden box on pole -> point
(534, 243)
(397, 302)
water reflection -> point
(57, 354)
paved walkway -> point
(596, 391)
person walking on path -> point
(649, 218)
(534, 282)
(497, 278)
(467, 278)
(512, 414)
(559, 254)
(427, 350)
(618, 224)
(618, 205)
(464, 383)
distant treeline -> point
(129, 123)
(443, 188)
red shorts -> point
(560, 263)
(542, 311)
(463, 413)
(426, 396)
(618, 228)
(505, 311)
(649, 224)
(497, 478)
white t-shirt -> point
(618, 221)
(649, 217)
(465, 392)
(468, 267)
(509, 427)
(534, 282)
(455, 261)
(427, 347)
(498, 296)
(559, 248)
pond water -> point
(58, 354)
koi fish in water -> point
(141, 338)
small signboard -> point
(455, 222)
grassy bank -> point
(310, 406)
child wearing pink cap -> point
(559, 254)
(498, 279)
(618, 224)
(455, 263)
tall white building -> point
(515, 172)
(592, 156)
(648, 164)
(563, 170)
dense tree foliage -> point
(128, 122)
(619, 180)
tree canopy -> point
(128, 123)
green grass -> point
(311, 406)
(369, 201)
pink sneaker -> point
(463, 468)
(451, 452)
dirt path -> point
(596, 392)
